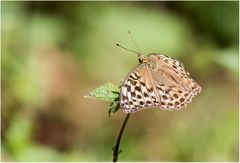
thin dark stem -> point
(116, 147)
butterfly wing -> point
(160, 82)
(172, 82)
(137, 91)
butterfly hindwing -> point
(179, 89)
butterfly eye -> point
(141, 59)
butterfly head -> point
(142, 58)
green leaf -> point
(114, 106)
(108, 92)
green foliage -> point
(107, 92)
(19, 134)
(114, 106)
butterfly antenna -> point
(133, 41)
(128, 49)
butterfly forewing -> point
(137, 90)
(160, 82)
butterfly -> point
(159, 81)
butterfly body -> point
(157, 82)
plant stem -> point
(116, 147)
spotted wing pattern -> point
(161, 82)
(137, 91)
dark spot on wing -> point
(132, 81)
(124, 98)
(170, 104)
(136, 74)
(148, 102)
(167, 91)
(128, 88)
(145, 94)
(133, 94)
(150, 90)
(138, 89)
(175, 95)
(153, 97)
(166, 61)
(142, 83)
(182, 100)
(159, 88)
(175, 71)
(141, 102)
(134, 77)
(164, 97)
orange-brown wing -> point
(172, 82)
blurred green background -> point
(54, 53)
